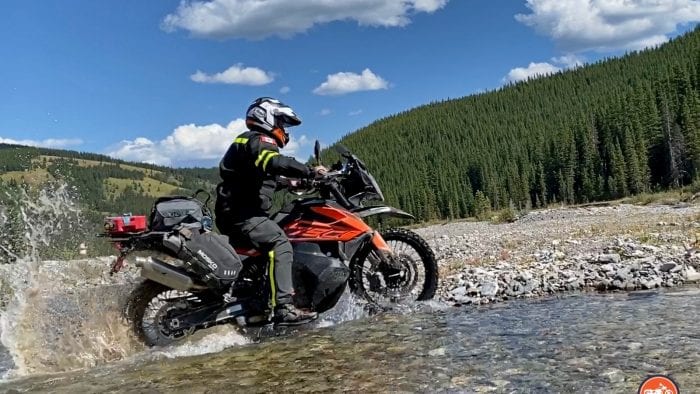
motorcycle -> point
(188, 290)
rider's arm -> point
(270, 161)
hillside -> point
(98, 184)
(612, 129)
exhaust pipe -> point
(167, 275)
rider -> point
(244, 197)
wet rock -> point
(670, 267)
(690, 275)
(489, 289)
(651, 283)
(613, 375)
(608, 258)
(439, 352)
(459, 291)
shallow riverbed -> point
(577, 343)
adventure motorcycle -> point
(202, 281)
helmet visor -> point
(285, 117)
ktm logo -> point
(658, 384)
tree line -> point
(608, 130)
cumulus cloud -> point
(186, 143)
(300, 148)
(47, 143)
(256, 19)
(355, 113)
(534, 70)
(607, 25)
(192, 143)
(325, 112)
(285, 89)
(348, 82)
(236, 74)
(569, 61)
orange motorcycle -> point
(195, 279)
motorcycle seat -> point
(243, 246)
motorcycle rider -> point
(244, 197)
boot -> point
(289, 315)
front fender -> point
(382, 211)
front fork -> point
(385, 266)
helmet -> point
(271, 116)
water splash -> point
(62, 315)
(212, 340)
(56, 315)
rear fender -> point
(382, 211)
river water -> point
(595, 343)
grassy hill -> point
(99, 185)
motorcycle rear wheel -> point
(150, 308)
(415, 262)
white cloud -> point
(300, 148)
(348, 82)
(607, 25)
(569, 61)
(47, 143)
(355, 113)
(191, 143)
(285, 89)
(236, 74)
(325, 112)
(534, 70)
(256, 19)
(185, 143)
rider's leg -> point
(270, 239)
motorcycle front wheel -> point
(412, 275)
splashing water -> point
(62, 315)
(56, 315)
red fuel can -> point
(125, 224)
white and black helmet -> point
(271, 116)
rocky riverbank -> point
(619, 247)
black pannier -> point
(208, 254)
(172, 211)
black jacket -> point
(248, 171)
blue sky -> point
(168, 82)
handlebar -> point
(326, 182)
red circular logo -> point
(658, 384)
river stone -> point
(613, 375)
(651, 283)
(690, 275)
(489, 288)
(437, 352)
(460, 291)
(608, 258)
(669, 267)
(623, 274)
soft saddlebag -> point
(172, 211)
(208, 254)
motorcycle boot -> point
(290, 315)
